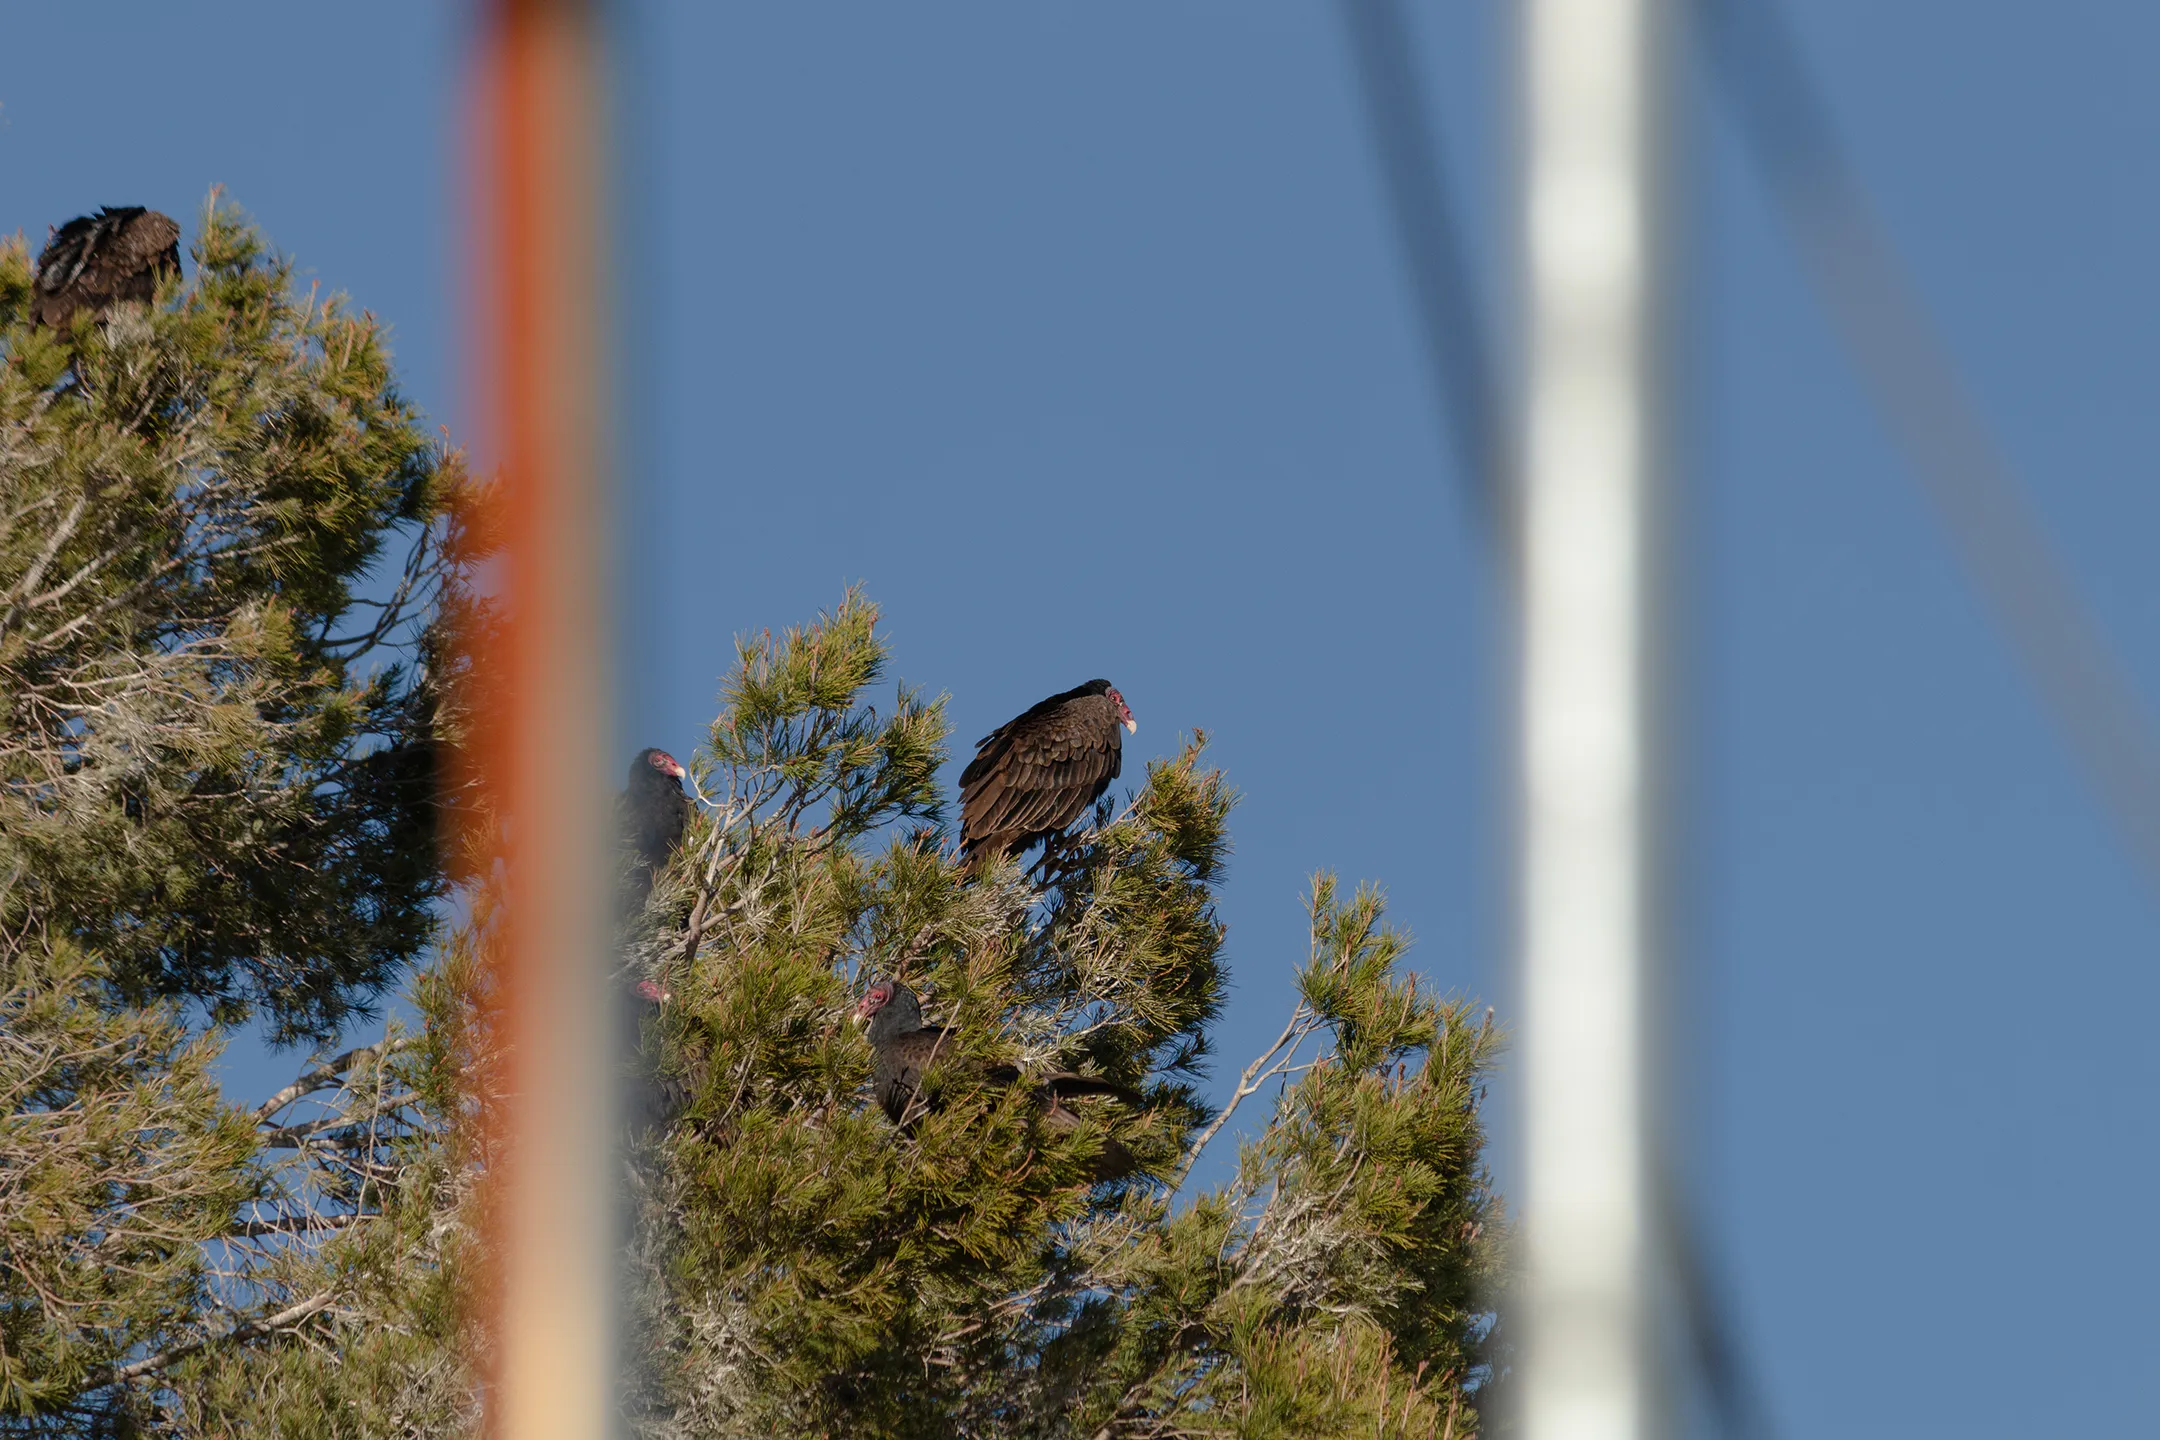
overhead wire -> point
(1972, 485)
(1460, 352)
(1429, 238)
(1731, 1385)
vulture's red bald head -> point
(876, 998)
(1124, 711)
(663, 762)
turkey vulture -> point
(1039, 772)
(119, 253)
(906, 1048)
(654, 812)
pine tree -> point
(222, 732)
(212, 780)
(230, 574)
(809, 1268)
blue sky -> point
(1076, 333)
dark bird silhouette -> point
(905, 1049)
(1039, 772)
(94, 261)
(651, 815)
(654, 812)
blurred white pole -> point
(1590, 502)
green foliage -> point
(389, 1342)
(232, 612)
(805, 1267)
(216, 749)
(231, 602)
(175, 1265)
(120, 1163)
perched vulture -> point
(1039, 772)
(95, 260)
(653, 811)
(905, 1048)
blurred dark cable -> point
(1973, 487)
(1711, 1331)
(1461, 355)
(1448, 321)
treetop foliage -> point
(237, 648)
(808, 1267)
(224, 535)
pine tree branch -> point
(299, 1224)
(1257, 1074)
(709, 887)
(247, 1330)
(27, 586)
(299, 1137)
(330, 1072)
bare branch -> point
(1256, 1076)
(247, 1330)
(298, 1224)
(27, 586)
(329, 1073)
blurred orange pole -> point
(545, 388)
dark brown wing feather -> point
(1039, 772)
(94, 261)
(1062, 1084)
(1051, 1093)
(654, 819)
(650, 818)
(901, 1062)
(903, 1057)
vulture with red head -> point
(95, 261)
(653, 811)
(905, 1049)
(1040, 771)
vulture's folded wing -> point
(1041, 772)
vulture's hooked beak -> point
(1132, 726)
